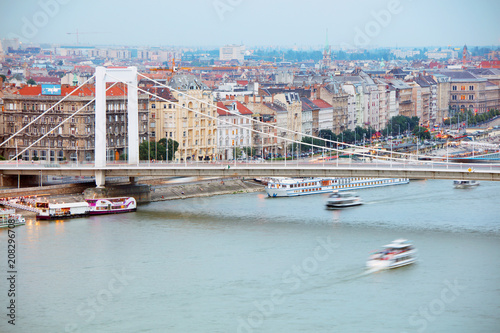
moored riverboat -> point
(111, 205)
(291, 187)
(49, 211)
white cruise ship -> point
(291, 187)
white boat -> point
(465, 183)
(111, 205)
(396, 254)
(291, 187)
(343, 199)
(9, 218)
(48, 211)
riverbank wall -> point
(204, 188)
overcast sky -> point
(214, 23)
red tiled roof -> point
(240, 107)
(220, 112)
(242, 82)
(86, 90)
(321, 104)
(46, 79)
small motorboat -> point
(343, 199)
(399, 253)
(465, 183)
(9, 218)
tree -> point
(399, 124)
(4, 78)
(157, 150)
(172, 148)
(249, 151)
(422, 133)
(31, 82)
(327, 135)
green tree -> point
(327, 135)
(172, 148)
(4, 78)
(249, 151)
(31, 82)
(422, 133)
(157, 150)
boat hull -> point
(389, 264)
(58, 217)
(117, 211)
(343, 205)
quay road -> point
(296, 168)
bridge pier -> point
(100, 179)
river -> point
(248, 263)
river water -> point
(247, 263)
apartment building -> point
(193, 122)
(234, 124)
(74, 140)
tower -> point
(326, 62)
(465, 55)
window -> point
(153, 106)
(462, 88)
(471, 87)
(454, 88)
(471, 97)
(462, 97)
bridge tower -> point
(105, 75)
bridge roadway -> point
(384, 169)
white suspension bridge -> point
(383, 164)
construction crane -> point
(77, 33)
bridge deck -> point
(422, 170)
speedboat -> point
(396, 254)
(343, 199)
(465, 183)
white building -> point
(233, 128)
(232, 52)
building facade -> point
(74, 140)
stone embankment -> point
(203, 188)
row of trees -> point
(470, 117)
(396, 125)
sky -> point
(254, 23)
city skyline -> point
(365, 24)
